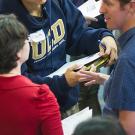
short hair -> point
(100, 126)
(12, 37)
(124, 2)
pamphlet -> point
(80, 62)
(70, 123)
(90, 8)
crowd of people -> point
(35, 37)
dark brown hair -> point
(12, 37)
(100, 125)
(124, 2)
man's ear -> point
(132, 7)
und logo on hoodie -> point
(40, 43)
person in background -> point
(26, 108)
(89, 95)
(120, 85)
(53, 35)
(100, 126)
(97, 22)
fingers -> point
(90, 83)
(86, 76)
(74, 67)
(93, 68)
(71, 76)
(102, 50)
(92, 77)
(90, 19)
(105, 51)
(111, 49)
(113, 58)
(84, 79)
(88, 73)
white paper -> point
(79, 62)
(37, 36)
(90, 8)
(70, 123)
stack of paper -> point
(79, 62)
(90, 8)
(70, 123)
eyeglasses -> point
(29, 40)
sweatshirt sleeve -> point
(57, 84)
(80, 37)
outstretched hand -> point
(89, 77)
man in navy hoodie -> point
(56, 30)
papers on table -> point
(72, 121)
(90, 8)
(79, 62)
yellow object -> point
(97, 63)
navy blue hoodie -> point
(58, 32)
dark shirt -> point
(120, 88)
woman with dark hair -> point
(25, 108)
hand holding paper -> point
(71, 76)
(111, 49)
(90, 19)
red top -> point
(27, 108)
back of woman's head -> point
(12, 37)
(100, 126)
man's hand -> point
(90, 19)
(89, 77)
(111, 49)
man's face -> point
(115, 15)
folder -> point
(98, 63)
(95, 59)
